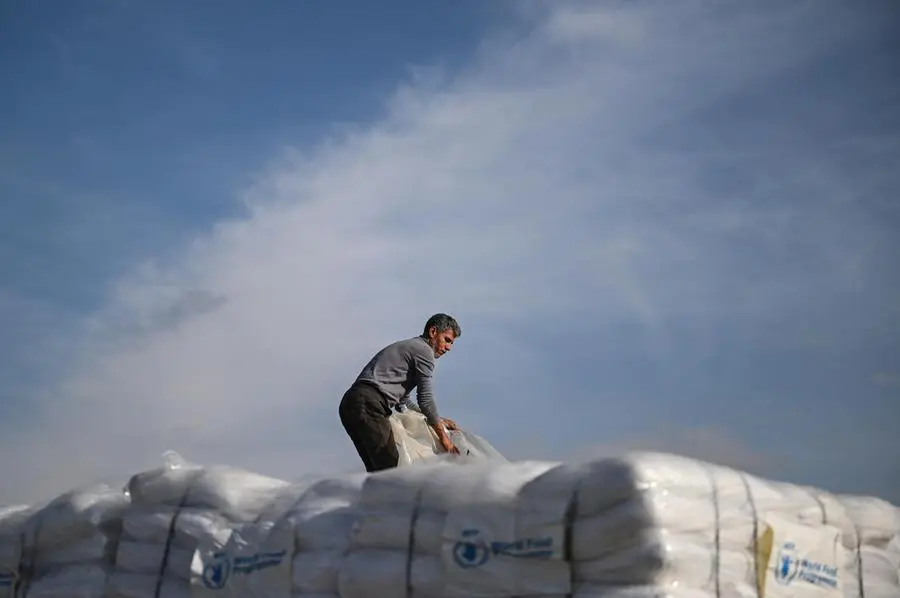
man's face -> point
(441, 342)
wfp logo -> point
(472, 551)
(217, 572)
(222, 567)
(790, 568)
(788, 565)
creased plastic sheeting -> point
(417, 442)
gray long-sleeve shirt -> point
(399, 368)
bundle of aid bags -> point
(634, 526)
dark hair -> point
(442, 322)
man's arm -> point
(425, 398)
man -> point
(387, 382)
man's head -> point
(441, 331)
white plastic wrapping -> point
(663, 521)
(417, 442)
(158, 544)
(323, 519)
(485, 528)
(65, 545)
(12, 520)
(233, 493)
(875, 560)
(651, 521)
(198, 531)
(639, 526)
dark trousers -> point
(364, 414)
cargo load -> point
(640, 525)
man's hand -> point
(444, 438)
(449, 423)
(449, 447)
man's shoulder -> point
(415, 345)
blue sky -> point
(662, 227)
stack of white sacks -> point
(646, 526)
(65, 548)
(176, 511)
(322, 520)
(659, 525)
(874, 548)
(640, 526)
(437, 530)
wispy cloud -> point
(597, 174)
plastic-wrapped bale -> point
(322, 519)
(178, 511)
(64, 548)
(157, 548)
(875, 557)
(417, 442)
(442, 530)
(12, 523)
(655, 525)
(293, 548)
(236, 494)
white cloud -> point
(531, 184)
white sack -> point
(876, 560)
(726, 591)
(12, 520)
(95, 548)
(153, 524)
(132, 585)
(163, 541)
(84, 581)
(653, 477)
(316, 572)
(64, 547)
(876, 520)
(641, 521)
(382, 573)
(233, 493)
(677, 562)
(394, 526)
(71, 516)
(497, 529)
(256, 561)
(324, 515)
(879, 570)
(147, 559)
(323, 519)
(502, 501)
(881, 564)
